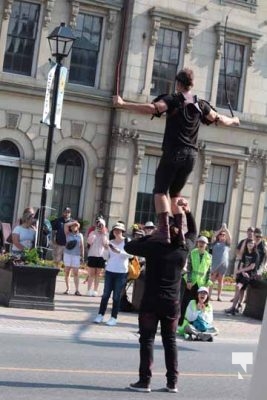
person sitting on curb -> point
(244, 275)
(198, 322)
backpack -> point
(134, 268)
(179, 101)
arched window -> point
(8, 149)
(68, 182)
(8, 179)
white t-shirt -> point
(118, 262)
(26, 237)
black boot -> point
(178, 222)
(162, 234)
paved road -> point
(61, 353)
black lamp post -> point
(60, 43)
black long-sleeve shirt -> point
(164, 263)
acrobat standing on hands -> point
(184, 113)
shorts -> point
(96, 262)
(71, 261)
(220, 269)
(174, 170)
(244, 280)
(58, 252)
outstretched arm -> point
(143, 108)
(221, 119)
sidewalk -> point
(73, 317)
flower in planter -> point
(28, 257)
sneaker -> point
(171, 388)
(205, 337)
(111, 322)
(213, 331)
(140, 386)
(98, 319)
(190, 330)
(90, 293)
(95, 293)
(77, 293)
(230, 310)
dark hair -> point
(206, 302)
(186, 78)
(254, 247)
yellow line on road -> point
(100, 372)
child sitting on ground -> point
(199, 318)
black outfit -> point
(261, 249)
(161, 298)
(180, 142)
(58, 226)
(248, 259)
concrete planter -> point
(25, 286)
(256, 299)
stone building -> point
(104, 159)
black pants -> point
(167, 313)
(173, 171)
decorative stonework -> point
(257, 155)
(219, 47)
(264, 180)
(7, 8)
(48, 9)
(140, 154)
(12, 120)
(253, 48)
(77, 129)
(111, 22)
(154, 31)
(248, 36)
(124, 135)
(189, 39)
(75, 7)
(173, 19)
(206, 162)
(238, 173)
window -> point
(232, 60)
(215, 198)
(250, 4)
(235, 57)
(144, 210)
(264, 223)
(85, 50)
(21, 38)
(166, 61)
(9, 149)
(68, 182)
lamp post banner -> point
(61, 87)
(46, 111)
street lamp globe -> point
(61, 41)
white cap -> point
(203, 289)
(120, 226)
(202, 239)
(101, 221)
(149, 224)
